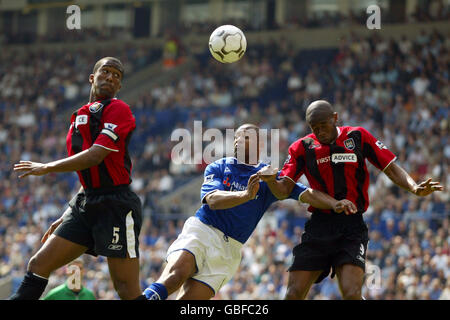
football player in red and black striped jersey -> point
(333, 160)
(104, 218)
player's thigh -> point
(299, 283)
(55, 253)
(125, 276)
(350, 279)
(181, 264)
(195, 290)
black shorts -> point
(108, 222)
(329, 241)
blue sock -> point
(156, 291)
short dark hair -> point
(116, 63)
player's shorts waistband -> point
(221, 234)
(108, 190)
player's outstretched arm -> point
(281, 188)
(80, 161)
(321, 200)
(220, 199)
(401, 178)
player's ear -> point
(91, 78)
(336, 117)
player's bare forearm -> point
(281, 189)
(321, 200)
(318, 199)
(400, 177)
(80, 161)
(220, 200)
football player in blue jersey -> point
(207, 253)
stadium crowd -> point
(397, 90)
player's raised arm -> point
(221, 199)
(401, 178)
(280, 188)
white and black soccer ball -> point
(227, 44)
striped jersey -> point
(338, 169)
(108, 124)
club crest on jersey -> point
(95, 107)
(349, 144)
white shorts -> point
(217, 257)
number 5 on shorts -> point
(115, 235)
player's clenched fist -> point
(345, 205)
(268, 173)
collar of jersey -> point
(249, 165)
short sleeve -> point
(375, 151)
(212, 181)
(297, 191)
(294, 165)
(118, 122)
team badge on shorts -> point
(95, 107)
(349, 144)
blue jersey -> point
(230, 175)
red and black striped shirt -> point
(338, 169)
(108, 124)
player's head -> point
(322, 120)
(246, 143)
(106, 78)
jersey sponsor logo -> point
(110, 126)
(208, 178)
(349, 144)
(82, 119)
(237, 186)
(380, 145)
(115, 247)
(323, 160)
(95, 107)
(343, 157)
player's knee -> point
(351, 292)
(35, 265)
(126, 290)
(294, 293)
(179, 275)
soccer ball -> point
(227, 44)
